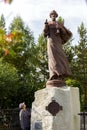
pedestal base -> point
(56, 109)
(55, 83)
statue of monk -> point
(57, 35)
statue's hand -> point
(46, 23)
(46, 29)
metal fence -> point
(83, 117)
(9, 119)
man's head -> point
(22, 105)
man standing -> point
(24, 117)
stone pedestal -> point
(56, 109)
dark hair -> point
(53, 12)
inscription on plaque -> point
(38, 125)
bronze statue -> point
(57, 35)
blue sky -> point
(34, 13)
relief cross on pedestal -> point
(54, 107)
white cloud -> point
(34, 12)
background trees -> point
(24, 66)
(42, 63)
(18, 50)
(79, 66)
(8, 84)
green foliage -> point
(76, 83)
(42, 63)
(79, 63)
(68, 49)
(17, 24)
(18, 49)
(3, 42)
(73, 83)
(2, 22)
(77, 57)
(81, 54)
(61, 20)
(8, 83)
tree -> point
(21, 44)
(61, 20)
(2, 22)
(42, 63)
(22, 56)
(17, 24)
(68, 49)
(8, 84)
(2, 35)
(80, 60)
(18, 50)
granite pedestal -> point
(56, 108)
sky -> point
(35, 12)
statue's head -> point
(53, 12)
